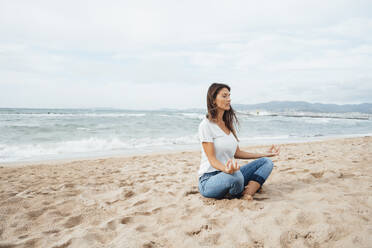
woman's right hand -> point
(273, 151)
(231, 167)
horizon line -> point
(165, 108)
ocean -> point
(44, 134)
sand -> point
(318, 195)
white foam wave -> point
(279, 137)
(24, 152)
(77, 115)
(317, 120)
(347, 122)
(184, 115)
(256, 113)
(22, 124)
(193, 115)
(357, 116)
(83, 129)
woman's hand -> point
(231, 167)
(274, 151)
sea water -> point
(41, 134)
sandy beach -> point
(318, 195)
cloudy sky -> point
(165, 54)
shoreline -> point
(178, 150)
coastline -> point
(180, 149)
(152, 200)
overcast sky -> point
(165, 54)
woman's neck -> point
(220, 115)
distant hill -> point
(286, 106)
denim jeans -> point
(217, 184)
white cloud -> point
(92, 53)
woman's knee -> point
(230, 183)
(236, 180)
(268, 163)
(208, 192)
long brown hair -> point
(229, 116)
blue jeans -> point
(217, 184)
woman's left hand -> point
(274, 150)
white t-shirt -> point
(224, 145)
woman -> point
(219, 175)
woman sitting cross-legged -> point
(219, 174)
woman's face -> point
(223, 99)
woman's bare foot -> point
(247, 197)
(250, 190)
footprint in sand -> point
(258, 198)
(304, 219)
(73, 221)
(252, 205)
(52, 231)
(254, 244)
(126, 220)
(141, 228)
(29, 243)
(111, 225)
(69, 185)
(310, 161)
(46, 203)
(128, 194)
(210, 240)
(36, 213)
(288, 237)
(59, 213)
(156, 210)
(286, 169)
(63, 245)
(171, 193)
(139, 202)
(149, 244)
(213, 222)
(22, 237)
(142, 213)
(197, 231)
(192, 191)
(144, 189)
(345, 175)
(317, 174)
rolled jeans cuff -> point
(258, 179)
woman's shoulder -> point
(205, 122)
(208, 125)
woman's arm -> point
(209, 151)
(247, 155)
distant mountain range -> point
(287, 106)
